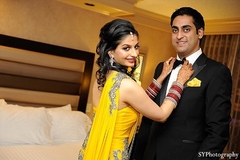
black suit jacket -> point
(199, 126)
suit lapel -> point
(199, 64)
(164, 89)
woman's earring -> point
(129, 69)
(111, 61)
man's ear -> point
(200, 33)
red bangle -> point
(175, 92)
(153, 89)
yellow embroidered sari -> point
(112, 130)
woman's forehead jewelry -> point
(132, 35)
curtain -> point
(226, 49)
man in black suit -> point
(199, 126)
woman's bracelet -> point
(175, 92)
(153, 89)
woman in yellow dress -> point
(118, 98)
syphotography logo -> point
(231, 155)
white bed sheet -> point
(59, 151)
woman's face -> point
(127, 51)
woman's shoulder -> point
(129, 85)
(122, 80)
(118, 76)
(122, 75)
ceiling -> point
(221, 16)
(210, 9)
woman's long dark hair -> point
(110, 36)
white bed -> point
(63, 151)
(29, 133)
(43, 96)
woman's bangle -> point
(175, 92)
(153, 89)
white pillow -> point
(24, 125)
(69, 126)
(2, 102)
(67, 107)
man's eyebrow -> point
(175, 27)
(186, 26)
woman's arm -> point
(133, 94)
(156, 84)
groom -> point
(199, 126)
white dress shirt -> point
(192, 58)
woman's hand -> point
(185, 72)
(167, 68)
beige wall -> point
(54, 22)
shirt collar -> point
(192, 58)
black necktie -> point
(178, 62)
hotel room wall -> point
(54, 22)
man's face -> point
(185, 40)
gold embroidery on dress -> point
(115, 87)
(84, 145)
(122, 154)
(117, 154)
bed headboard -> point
(40, 74)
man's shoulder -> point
(215, 63)
(211, 61)
(212, 64)
(159, 65)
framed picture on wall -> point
(139, 70)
